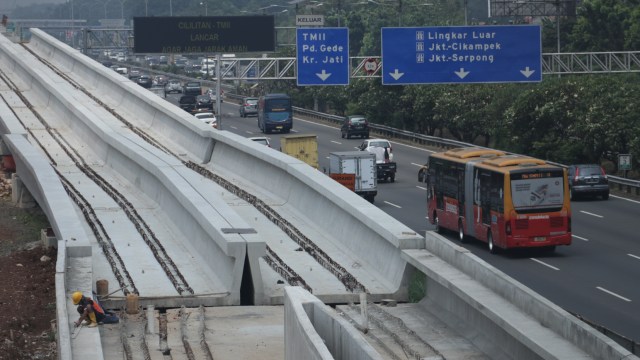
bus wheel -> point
(461, 236)
(550, 249)
(492, 247)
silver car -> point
(248, 106)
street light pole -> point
(170, 8)
(105, 8)
(206, 12)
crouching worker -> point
(91, 312)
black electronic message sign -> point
(204, 34)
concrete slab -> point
(239, 332)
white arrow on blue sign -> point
(322, 56)
(461, 54)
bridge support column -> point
(20, 195)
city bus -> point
(275, 113)
(507, 201)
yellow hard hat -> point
(76, 297)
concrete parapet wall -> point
(314, 330)
(155, 173)
(355, 224)
(63, 335)
(45, 186)
(497, 307)
(121, 93)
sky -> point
(7, 5)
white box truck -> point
(360, 164)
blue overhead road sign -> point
(322, 56)
(461, 54)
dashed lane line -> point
(580, 237)
(545, 264)
(592, 214)
(634, 256)
(392, 204)
(613, 294)
(624, 198)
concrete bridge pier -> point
(20, 195)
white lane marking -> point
(233, 127)
(392, 204)
(634, 256)
(418, 165)
(336, 142)
(612, 293)
(592, 214)
(624, 198)
(579, 237)
(316, 123)
(422, 188)
(545, 264)
(250, 132)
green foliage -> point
(601, 25)
(417, 287)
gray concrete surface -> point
(501, 314)
(475, 300)
(314, 330)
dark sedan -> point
(204, 102)
(188, 103)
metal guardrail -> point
(622, 184)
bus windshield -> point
(537, 190)
(277, 105)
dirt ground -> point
(27, 283)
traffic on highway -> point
(595, 277)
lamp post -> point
(264, 9)
(400, 7)
(73, 27)
(205, 4)
(170, 8)
(146, 7)
(122, 9)
(105, 8)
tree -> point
(601, 25)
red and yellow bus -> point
(507, 201)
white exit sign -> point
(309, 20)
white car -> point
(207, 118)
(369, 144)
(261, 140)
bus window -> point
(497, 192)
(537, 190)
(485, 199)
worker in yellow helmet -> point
(90, 311)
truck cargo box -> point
(303, 147)
(360, 163)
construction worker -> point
(90, 311)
